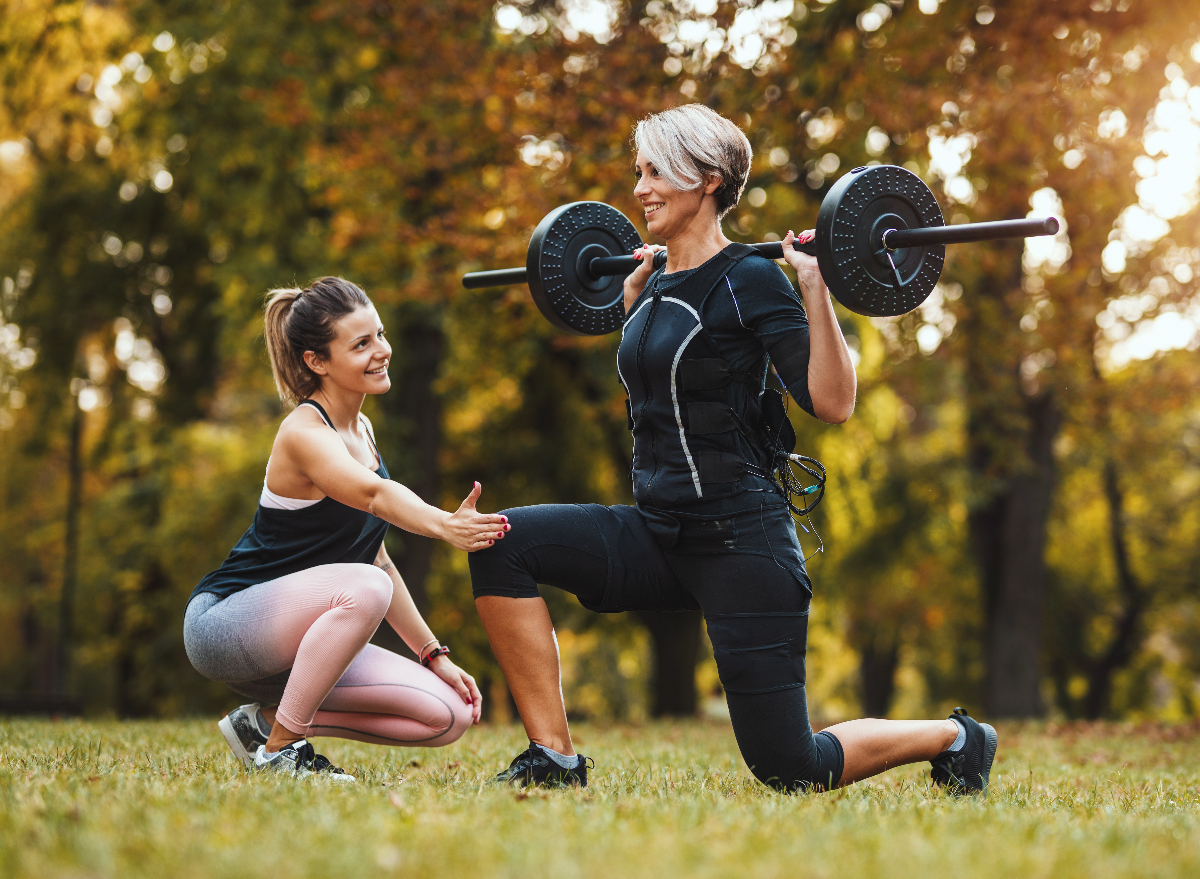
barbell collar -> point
(495, 278)
(894, 239)
(603, 266)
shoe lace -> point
(528, 759)
(321, 763)
(308, 758)
(948, 769)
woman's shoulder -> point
(305, 415)
(756, 273)
(298, 424)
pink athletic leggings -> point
(301, 640)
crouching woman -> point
(287, 617)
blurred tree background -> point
(1013, 520)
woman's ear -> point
(315, 362)
(712, 182)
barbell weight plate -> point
(854, 214)
(561, 289)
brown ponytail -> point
(303, 320)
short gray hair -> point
(685, 143)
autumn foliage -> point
(1013, 511)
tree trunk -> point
(1011, 427)
(36, 643)
(1128, 624)
(877, 670)
(676, 641)
(66, 599)
(1009, 536)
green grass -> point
(667, 801)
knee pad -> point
(759, 652)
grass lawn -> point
(666, 801)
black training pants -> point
(746, 573)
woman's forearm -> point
(832, 383)
(402, 614)
(404, 617)
(400, 506)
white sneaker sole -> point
(235, 744)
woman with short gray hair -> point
(712, 527)
(688, 143)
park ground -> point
(667, 800)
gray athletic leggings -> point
(301, 641)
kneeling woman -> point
(287, 617)
(710, 530)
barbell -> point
(880, 243)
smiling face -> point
(358, 357)
(669, 211)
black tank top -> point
(282, 542)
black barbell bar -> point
(893, 239)
(606, 266)
(495, 278)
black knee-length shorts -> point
(745, 572)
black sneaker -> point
(966, 770)
(533, 766)
(244, 730)
(299, 759)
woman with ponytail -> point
(287, 617)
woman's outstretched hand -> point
(462, 682)
(635, 282)
(468, 529)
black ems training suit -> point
(709, 531)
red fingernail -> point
(490, 542)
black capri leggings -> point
(746, 572)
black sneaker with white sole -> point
(244, 730)
(533, 767)
(299, 759)
(966, 771)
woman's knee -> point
(367, 588)
(502, 569)
(461, 718)
(778, 744)
(443, 712)
(789, 774)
